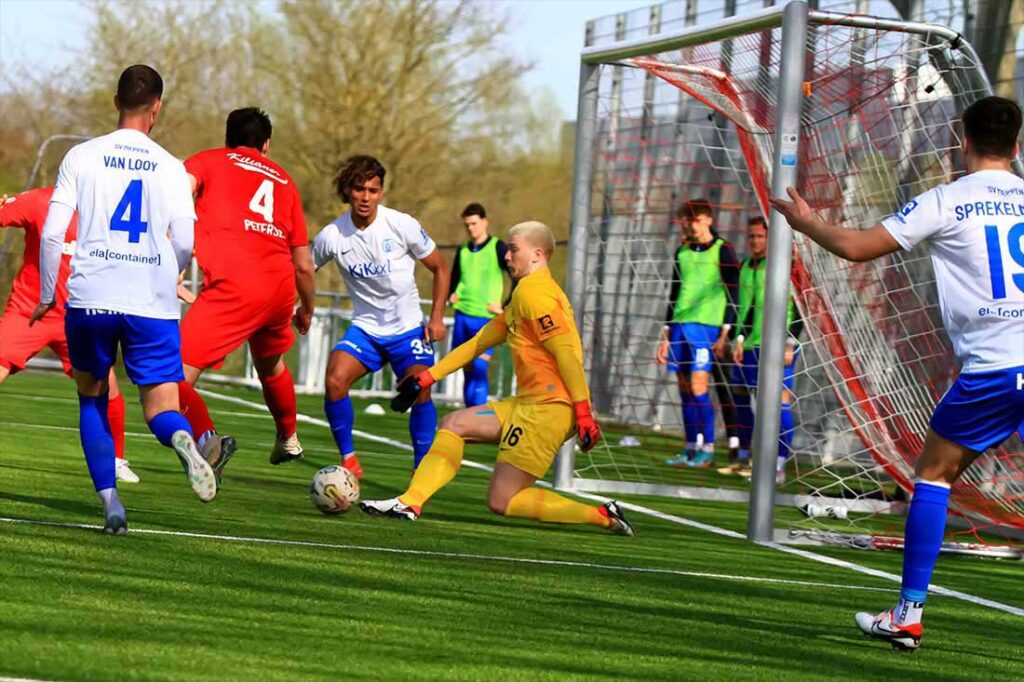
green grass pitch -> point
(455, 595)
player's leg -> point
(722, 370)
(786, 427)
(531, 435)
(92, 344)
(700, 338)
(152, 359)
(115, 415)
(678, 362)
(279, 395)
(411, 354)
(741, 396)
(19, 342)
(479, 424)
(475, 375)
(354, 356)
(978, 412)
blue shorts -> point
(466, 327)
(151, 348)
(981, 410)
(689, 346)
(746, 374)
(401, 351)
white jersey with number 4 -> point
(378, 265)
(975, 229)
(127, 190)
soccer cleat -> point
(391, 508)
(739, 468)
(217, 452)
(115, 524)
(351, 462)
(780, 477)
(286, 449)
(701, 460)
(619, 524)
(680, 460)
(881, 626)
(124, 472)
(200, 474)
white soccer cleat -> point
(199, 472)
(881, 626)
(391, 508)
(115, 524)
(124, 472)
(619, 524)
(286, 449)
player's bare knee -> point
(337, 385)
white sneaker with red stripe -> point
(904, 637)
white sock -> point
(780, 463)
(709, 449)
(111, 503)
(734, 442)
(907, 612)
(347, 455)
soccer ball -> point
(334, 490)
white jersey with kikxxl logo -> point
(975, 230)
(378, 265)
(128, 190)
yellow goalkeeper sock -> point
(544, 505)
(438, 467)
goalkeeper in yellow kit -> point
(552, 404)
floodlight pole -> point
(760, 521)
(583, 177)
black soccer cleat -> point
(619, 524)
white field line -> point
(672, 518)
(455, 555)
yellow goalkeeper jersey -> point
(539, 310)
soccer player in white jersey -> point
(974, 228)
(135, 235)
(376, 249)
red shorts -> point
(221, 320)
(19, 342)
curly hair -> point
(359, 168)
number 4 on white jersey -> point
(262, 202)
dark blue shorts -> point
(981, 410)
(151, 348)
(401, 351)
(746, 374)
(466, 327)
(689, 347)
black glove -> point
(409, 390)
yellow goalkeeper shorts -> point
(531, 433)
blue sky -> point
(547, 32)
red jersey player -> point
(251, 244)
(20, 341)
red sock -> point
(279, 394)
(115, 415)
(194, 409)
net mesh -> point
(877, 128)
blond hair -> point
(535, 232)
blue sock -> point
(97, 441)
(706, 418)
(166, 424)
(745, 417)
(341, 417)
(690, 416)
(422, 427)
(474, 390)
(926, 524)
(786, 432)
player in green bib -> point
(746, 351)
(701, 311)
(477, 287)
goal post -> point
(860, 112)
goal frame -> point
(795, 19)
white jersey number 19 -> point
(262, 201)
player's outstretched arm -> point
(853, 245)
(570, 369)
(305, 283)
(492, 334)
(434, 262)
(58, 220)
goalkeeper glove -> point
(409, 389)
(586, 428)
